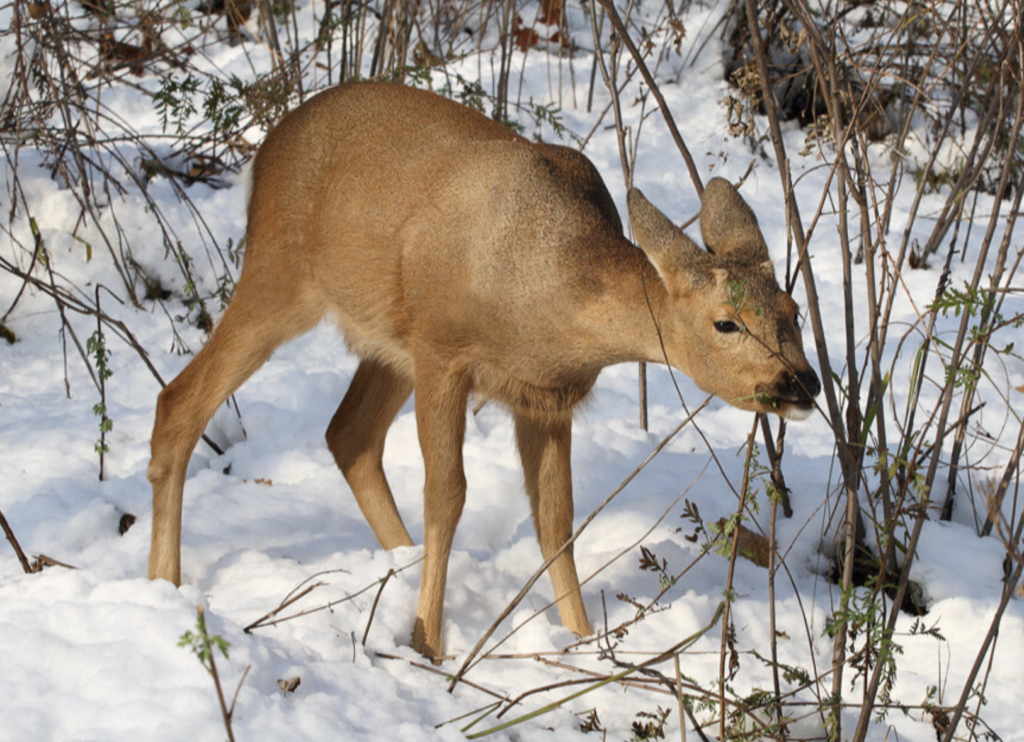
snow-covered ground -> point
(92, 653)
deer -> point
(460, 259)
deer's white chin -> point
(796, 411)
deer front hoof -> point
(429, 647)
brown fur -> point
(459, 258)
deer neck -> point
(624, 320)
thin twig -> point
(376, 600)
(667, 654)
(263, 622)
(14, 543)
(620, 28)
(469, 661)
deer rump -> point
(458, 258)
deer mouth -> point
(793, 409)
(793, 396)
(790, 408)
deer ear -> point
(727, 223)
(666, 245)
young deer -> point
(458, 257)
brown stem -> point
(224, 711)
(1009, 587)
(376, 600)
(726, 614)
(14, 543)
(620, 27)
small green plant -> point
(550, 114)
(738, 299)
(193, 300)
(472, 92)
(590, 722)
(227, 104)
(223, 105)
(692, 514)
(865, 614)
(650, 725)
(971, 300)
(723, 530)
(649, 562)
(795, 676)
(939, 177)
(182, 15)
(173, 102)
(97, 349)
(225, 290)
(203, 644)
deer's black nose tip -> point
(804, 385)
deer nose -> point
(804, 385)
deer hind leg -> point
(545, 447)
(441, 424)
(255, 323)
(356, 438)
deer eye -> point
(724, 325)
(796, 320)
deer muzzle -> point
(802, 386)
(795, 393)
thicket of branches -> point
(889, 94)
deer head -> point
(727, 324)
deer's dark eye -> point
(724, 325)
(796, 320)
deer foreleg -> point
(545, 449)
(441, 424)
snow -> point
(92, 653)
